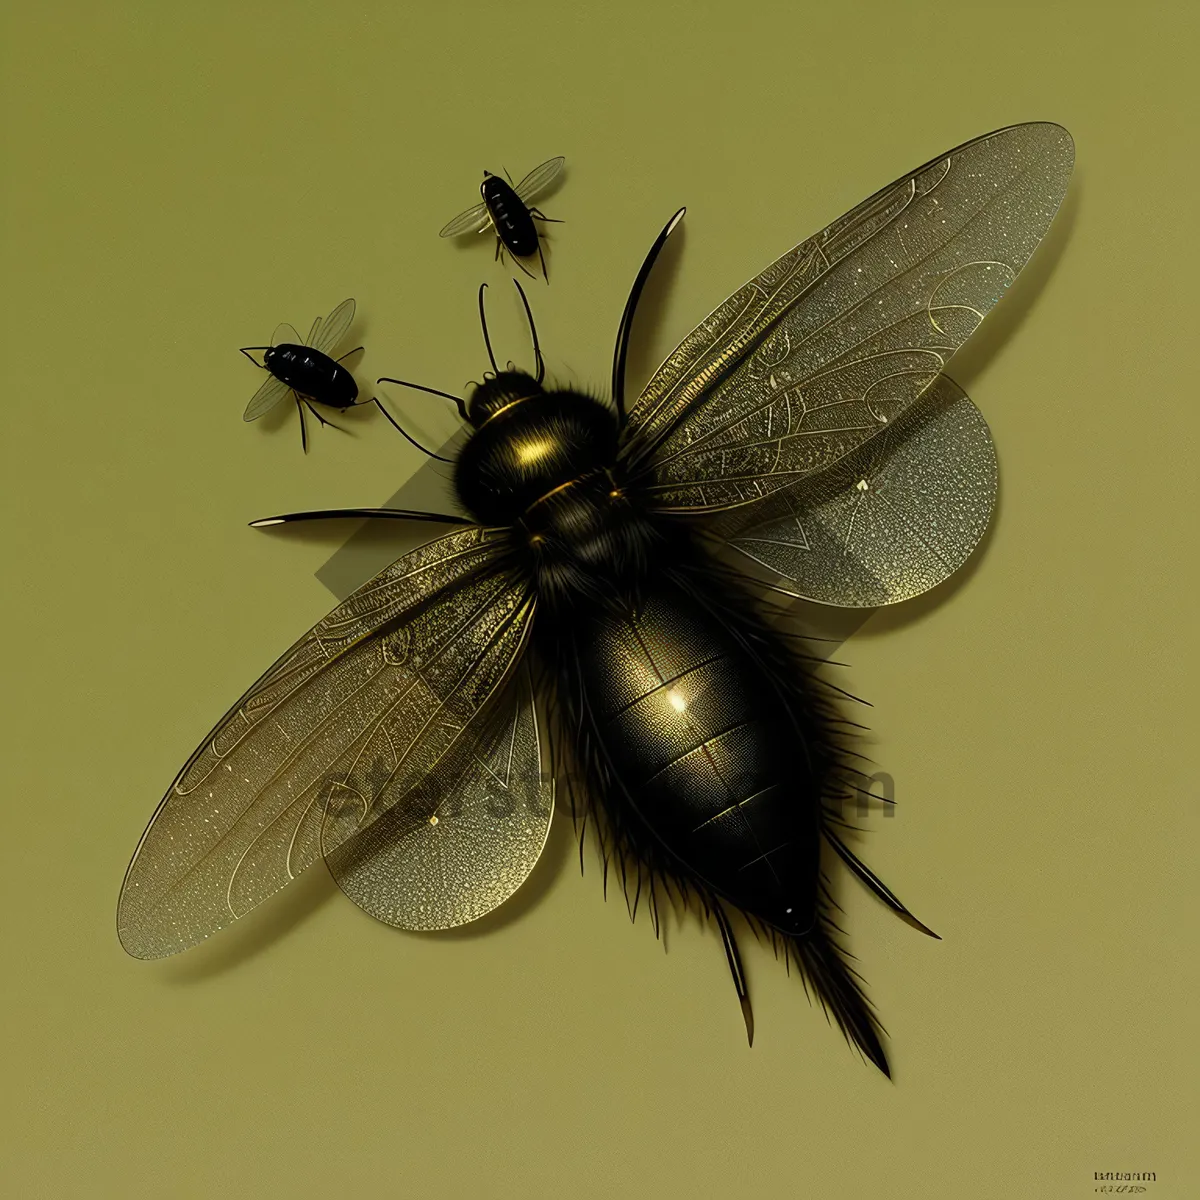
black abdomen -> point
(708, 752)
(312, 374)
(514, 225)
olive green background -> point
(179, 178)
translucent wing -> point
(540, 178)
(462, 843)
(270, 394)
(326, 335)
(831, 343)
(285, 335)
(889, 521)
(475, 219)
(346, 724)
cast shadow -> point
(282, 915)
(274, 920)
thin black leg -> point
(303, 427)
(626, 327)
(320, 418)
(458, 402)
(735, 968)
(246, 351)
(399, 429)
(524, 267)
(537, 350)
(338, 514)
(350, 352)
(542, 260)
(541, 216)
(487, 341)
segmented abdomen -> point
(707, 750)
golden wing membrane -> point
(831, 343)
(891, 520)
(346, 724)
(459, 845)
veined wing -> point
(460, 844)
(474, 220)
(326, 336)
(346, 724)
(286, 335)
(891, 520)
(832, 342)
(270, 394)
(539, 179)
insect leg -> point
(542, 260)
(499, 249)
(735, 967)
(525, 268)
(487, 341)
(872, 881)
(349, 352)
(541, 216)
(332, 514)
(537, 350)
(396, 425)
(303, 427)
(462, 408)
(626, 326)
(320, 418)
(246, 351)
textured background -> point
(177, 179)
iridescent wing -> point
(831, 343)
(459, 845)
(270, 394)
(890, 520)
(349, 722)
(539, 179)
(474, 220)
(326, 334)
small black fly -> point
(306, 370)
(506, 209)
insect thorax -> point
(527, 444)
(544, 463)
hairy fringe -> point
(645, 870)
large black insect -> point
(506, 209)
(805, 424)
(306, 372)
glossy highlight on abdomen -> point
(705, 748)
